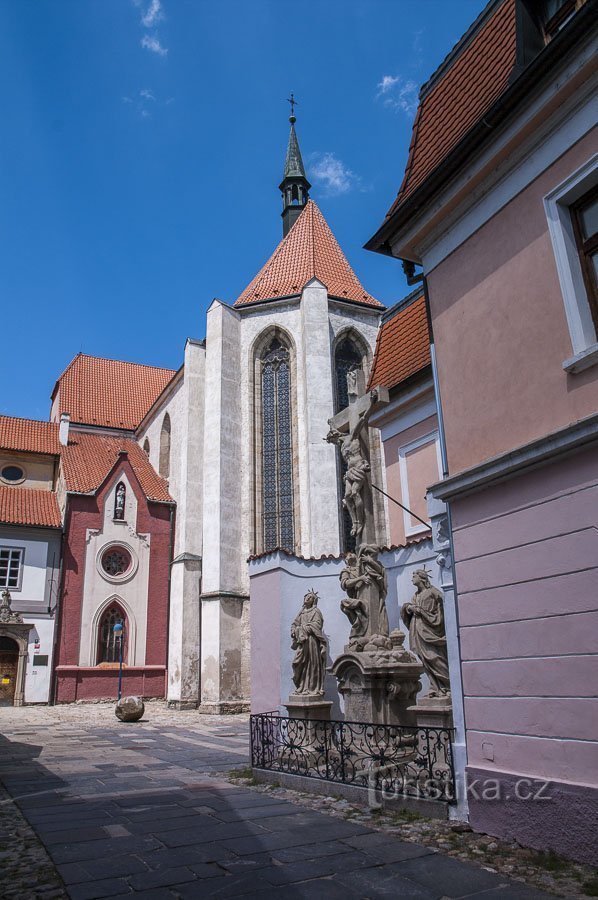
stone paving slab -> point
(139, 812)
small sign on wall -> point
(40, 660)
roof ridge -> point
(124, 362)
(28, 419)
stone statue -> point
(357, 468)
(119, 502)
(7, 616)
(353, 607)
(424, 617)
(375, 572)
(309, 664)
(364, 581)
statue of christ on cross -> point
(355, 419)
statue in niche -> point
(119, 501)
(309, 664)
(357, 468)
(424, 617)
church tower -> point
(294, 185)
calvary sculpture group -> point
(377, 676)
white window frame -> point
(432, 437)
(557, 205)
(11, 550)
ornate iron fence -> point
(397, 761)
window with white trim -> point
(571, 210)
(11, 568)
(419, 466)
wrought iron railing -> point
(393, 760)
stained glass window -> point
(116, 561)
(347, 358)
(110, 642)
(277, 449)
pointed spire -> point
(293, 164)
(294, 186)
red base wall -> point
(74, 683)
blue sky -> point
(142, 146)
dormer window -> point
(12, 474)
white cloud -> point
(398, 93)
(152, 14)
(387, 84)
(147, 95)
(332, 173)
(151, 42)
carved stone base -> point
(433, 712)
(379, 684)
(308, 706)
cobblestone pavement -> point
(141, 809)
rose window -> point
(116, 561)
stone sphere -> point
(129, 709)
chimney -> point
(63, 431)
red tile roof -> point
(25, 506)
(108, 392)
(402, 346)
(89, 459)
(309, 250)
(29, 436)
(457, 98)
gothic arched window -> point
(146, 447)
(347, 359)
(164, 463)
(277, 448)
(109, 641)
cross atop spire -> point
(294, 103)
(294, 186)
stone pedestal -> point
(433, 712)
(309, 733)
(308, 706)
(380, 682)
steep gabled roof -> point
(108, 392)
(457, 97)
(89, 459)
(402, 345)
(25, 506)
(29, 436)
(309, 250)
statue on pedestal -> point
(424, 617)
(309, 664)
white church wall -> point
(184, 404)
(253, 324)
(278, 584)
(313, 322)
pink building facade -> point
(498, 206)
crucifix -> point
(348, 429)
(364, 577)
